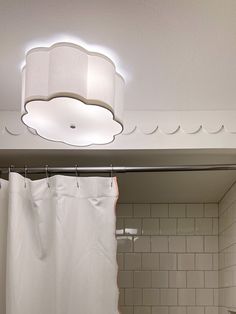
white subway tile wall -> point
(227, 253)
(168, 258)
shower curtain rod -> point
(114, 169)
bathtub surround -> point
(227, 252)
(168, 258)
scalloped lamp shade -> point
(71, 95)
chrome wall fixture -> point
(114, 169)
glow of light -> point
(78, 41)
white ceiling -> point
(175, 55)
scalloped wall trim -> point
(142, 129)
(171, 122)
(150, 122)
(18, 130)
(178, 128)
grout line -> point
(226, 192)
(223, 230)
(177, 254)
(204, 278)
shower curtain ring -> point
(77, 175)
(111, 175)
(25, 174)
(47, 176)
(9, 169)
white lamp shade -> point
(72, 95)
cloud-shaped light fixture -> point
(72, 95)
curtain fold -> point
(60, 249)
(3, 243)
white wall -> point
(168, 258)
(227, 255)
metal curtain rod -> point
(109, 169)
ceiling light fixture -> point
(71, 95)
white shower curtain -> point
(58, 246)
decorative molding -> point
(142, 130)
(171, 122)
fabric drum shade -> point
(72, 95)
